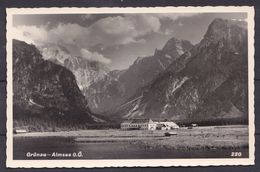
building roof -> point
(138, 121)
(161, 125)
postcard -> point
(130, 87)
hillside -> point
(45, 95)
(206, 84)
(110, 92)
(85, 71)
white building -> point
(166, 125)
(194, 125)
(147, 124)
(138, 124)
(19, 131)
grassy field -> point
(203, 138)
(214, 137)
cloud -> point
(122, 29)
(116, 30)
(30, 34)
(174, 16)
(239, 20)
(61, 34)
(68, 33)
(109, 31)
(168, 32)
(86, 17)
(113, 30)
(180, 24)
(94, 56)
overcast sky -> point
(114, 39)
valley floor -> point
(214, 137)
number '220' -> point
(236, 154)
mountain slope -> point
(110, 92)
(208, 83)
(86, 71)
(45, 93)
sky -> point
(115, 40)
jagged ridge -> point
(208, 83)
(107, 94)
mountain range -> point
(203, 83)
(118, 86)
(207, 83)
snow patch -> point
(168, 56)
(136, 107)
(135, 113)
(180, 52)
(137, 110)
(176, 85)
(96, 119)
(165, 109)
(31, 102)
(179, 49)
(161, 64)
(95, 103)
(132, 101)
(138, 59)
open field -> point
(214, 137)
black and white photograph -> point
(161, 86)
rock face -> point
(207, 83)
(45, 92)
(118, 86)
(86, 72)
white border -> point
(125, 162)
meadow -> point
(213, 137)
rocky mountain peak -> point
(85, 71)
(207, 84)
(176, 47)
(119, 87)
(220, 29)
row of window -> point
(134, 125)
